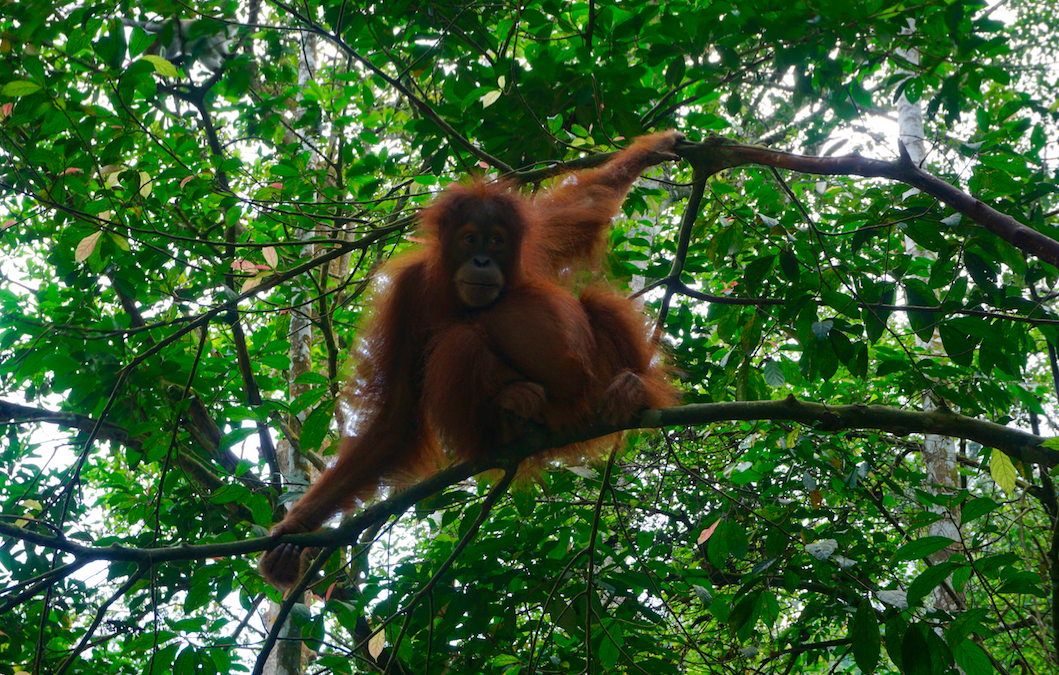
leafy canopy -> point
(189, 232)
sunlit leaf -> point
(145, 184)
(1003, 471)
(376, 644)
(19, 88)
(87, 246)
(120, 241)
(162, 66)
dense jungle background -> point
(854, 271)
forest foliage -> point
(190, 218)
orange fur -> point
(432, 368)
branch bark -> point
(1017, 444)
(16, 413)
(717, 153)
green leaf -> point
(914, 657)
(972, 659)
(921, 295)
(309, 398)
(1003, 471)
(316, 426)
(185, 663)
(865, 637)
(675, 71)
(858, 364)
(973, 509)
(1024, 582)
(841, 303)
(20, 88)
(875, 318)
(703, 595)
(261, 509)
(913, 89)
(163, 659)
(894, 638)
(958, 344)
(504, 660)
(230, 493)
(161, 66)
(744, 613)
(921, 548)
(789, 266)
(301, 613)
(774, 374)
(756, 271)
(112, 46)
(928, 580)
(717, 548)
(610, 647)
(735, 534)
(996, 352)
(120, 241)
(924, 652)
(822, 328)
(981, 271)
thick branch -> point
(1017, 444)
(718, 153)
(16, 413)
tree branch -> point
(717, 153)
(15, 413)
(1017, 444)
